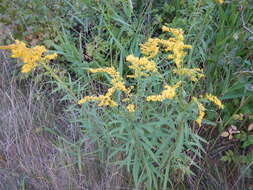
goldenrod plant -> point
(147, 116)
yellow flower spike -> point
(117, 80)
(105, 100)
(150, 48)
(126, 100)
(220, 1)
(201, 111)
(178, 33)
(30, 56)
(82, 101)
(165, 29)
(131, 107)
(18, 49)
(109, 70)
(87, 99)
(168, 93)
(194, 74)
(117, 84)
(120, 85)
(51, 56)
(215, 100)
(28, 67)
(175, 45)
(141, 66)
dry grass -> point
(39, 149)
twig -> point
(243, 21)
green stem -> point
(58, 79)
(178, 145)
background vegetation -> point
(48, 142)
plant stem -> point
(59, 80)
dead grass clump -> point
(39, 149)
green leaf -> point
(248, 142)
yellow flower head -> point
(150, 48)
(30, 56)
(131, 107)
(194, 74)
(117, 80)
(141, 66)
(175, 45)
(201, 111)
(28, 67)
(220, 1)
(117, 84)
(168, 93)
(105, 100)
(215, 100)
(51, 56)
(178, 33)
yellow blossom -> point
(150, 48)
(117, 84)
(220, 1)
(105, 100)
(168, 93)
(18, 49)
(215, 100)
(194, 74)
(51, 56)
(141, 66)
(126, 100)
(131, 108)
(28, 67)
(175, 45)
(117, 80)
(30, 56)
(201, 111)
(109, 70)
(178, 33)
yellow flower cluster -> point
(215, 100)
(141, 66)
(220, 1)
(201, 109)
(30, 56)
(168, 93)
(194, 74)
(117, 84)
(105, 100)
(117, 80)
(178, 33)
(131, 108)
(150, 48)
(175, 45)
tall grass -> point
(39, 147)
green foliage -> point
(157, 144)
(34, 20)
